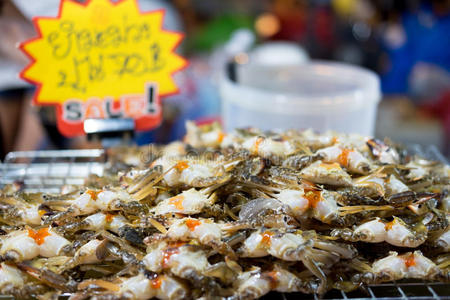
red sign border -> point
(63, 127)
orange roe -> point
(256, 145)
(177, 201)
(273, 278)
(267, 238)
(410, 260)
(93, 194)
(171, 250)
(388, 226)
(343, 157)
(156, 283)
(220, 137)
(314, 197)
(38, 236)
(181, 165)
(191, 224)
(109, 218)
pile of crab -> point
(232, 216)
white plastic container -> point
(318, 94)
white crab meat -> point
(324, 173)
(162, 196)
(29, 243)
(107, 199)
(52, 245)
(295, 200)
(256, 244)
(204, 230)
(196, 171)
(68, 188)
(168, 287)
(350, 159)
(396, 233)
(92, 201)
(389, 156)
(138, 288)
(260, 244)
(374, 182)
(178, 258)
(446, 203)
(132, 160)
(85, 203)
(230, 140)
(254, 284)
(281, 245)
(31, 215)
(322, 204)
(213, 138)
(172, 175)
(419, 265)
(86, 254)
(382, 152)
(444, 240)
(21, 243)
(188, 202)
(28, 213)
(416, 171)
(353, 141)
(266, 147)
(174, 149)
(101, 221)
(314, 140)
(393, 265)
(193, 135)
(187, 172)
(162, 287)
(395, 185)
(10, 276)
(251, 285)
(372, 232)
(282, 281)
(408, 265)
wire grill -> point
(387, 291)
(48, 171)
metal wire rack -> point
(387, 291)
(48, 171)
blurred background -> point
(406, 42)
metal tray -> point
(48, 171)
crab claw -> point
(47, 277)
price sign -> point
(103, 59)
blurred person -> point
(417, 43)
(14, 27)
(20, 128)
(292, 16)
(415, 36)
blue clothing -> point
(427, 40)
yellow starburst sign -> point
(103, 52)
